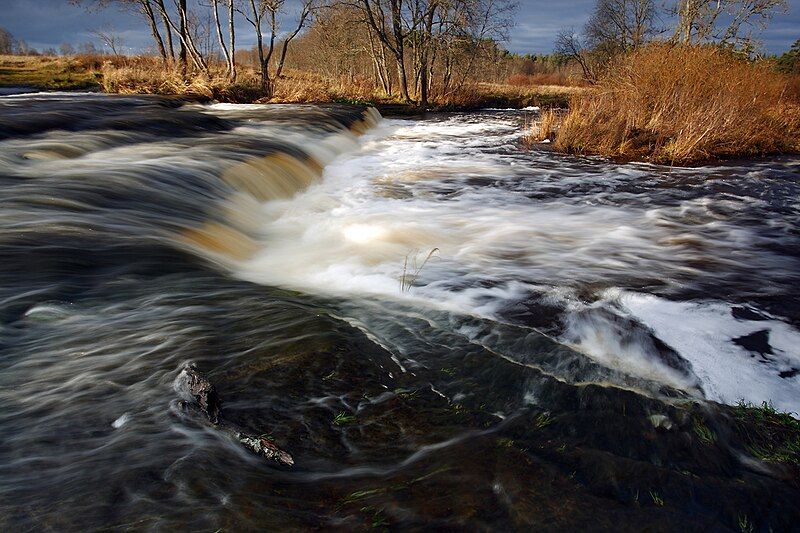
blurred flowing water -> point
(443, 329)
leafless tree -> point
(228, 50)
(724, 21)
(110, 38)
(147, 8)
(623, 25)
(189, 48)
(7, 42)
(418, 32)
(271, 12)
(570, 45)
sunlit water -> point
(428, 277)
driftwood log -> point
(200, 393)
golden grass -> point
(545, 128)
(679, 104)
(556, 78)
(45, 72)
(149, 75)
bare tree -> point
(7, 42)
(569, 44)
(271, 12)
(622, 25)
(144, 7)
(110, 38)
(228, 53)
(420, 31)
(723, 21)
(188, 48)
(169, 52)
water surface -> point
(444, 330)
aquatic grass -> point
(745, 525)
(542, 420)
(342, 419)
(704, 433)
(361, 494)
(378, 517)
(408, 394)
(411, 272)
(769, 435)
(657, 499)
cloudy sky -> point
(48, 23)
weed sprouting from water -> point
(542, 420)
(411, 271)
(342, 419)
(745, 525)
(769, 435)
(505, 443)
(657, 499)
(361, 494)
(704, 433)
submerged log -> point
(266, 448)
(204, 398)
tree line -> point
(414, 50)
(415, 47)
(620, 26)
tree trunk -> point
(162, 10)
(183, 34)
(232, 65)
(223, 47)
(147, 10)
(401, 75)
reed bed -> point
(682, 104)
(544, 128)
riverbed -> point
(443, 328)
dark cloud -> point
(48, 23)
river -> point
(443, 328)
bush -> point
(684, 104)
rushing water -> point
(442, 328)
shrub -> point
(684, 104)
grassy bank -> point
(147, 75)
(675, 104)
(48, 73)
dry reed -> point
(679, 104)
(543, 129)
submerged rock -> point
(192, 383)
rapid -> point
(444, 329)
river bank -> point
(148, 76)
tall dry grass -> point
(149, 75)
(681, 104)
(544, 128)
(554, 78)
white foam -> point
(703, 333)
(392, 199)
(121, 421)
